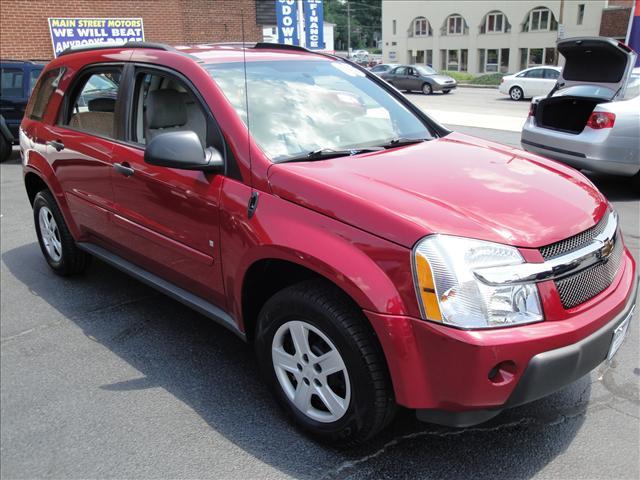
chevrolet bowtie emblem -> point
(606, 249)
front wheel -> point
(427, 89)
(321, 359)
(516, 93)
(56, 242)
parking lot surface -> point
(102, 377)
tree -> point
(365, 22)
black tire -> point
(72, 260)
(427, 89)
(516, 94)
(5, 149)
(323, 306)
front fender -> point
(374, 272)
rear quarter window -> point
(42, 93)
(11, 82)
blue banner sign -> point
(287, 17)
(73, 32)
(314, 24)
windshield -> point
(297, 107)
(425, 70)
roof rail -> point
(102, 46)
(281, 46)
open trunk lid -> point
(596, 61)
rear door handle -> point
(126, 170)
(58, 145)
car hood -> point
(441, 78)
(596, 61)
(457, 185)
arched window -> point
(539, 19)
(454, 25)
(420, 27)
(495, 22)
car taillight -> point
(532, 109)
(599, 120)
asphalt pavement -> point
(102, 377)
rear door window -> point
(552, 74)
(92, 103)
(537, 73)
(42, 93)
(11, 83)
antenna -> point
(246, 100)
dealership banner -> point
(287, 18)
(313, 24)
(73, 32)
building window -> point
(393, 44)
(424, 57)
(455, 25)
(393, 28)
(540, 20)
(454, 60)
(493, 60)
(580, 13)
(533, 57)
(495, 23)
(421, 27)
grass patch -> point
(460, 77)
(489, 79)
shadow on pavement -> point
(215, 374)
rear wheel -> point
(427, 89)
(321, 359)
(516, 93)
(5, 149)
(56, 242)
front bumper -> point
(439, 87)
(444, 373)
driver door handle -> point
(124, 169)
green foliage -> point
(460, 77)
(366, 25)
(488, 79)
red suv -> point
(373, 257)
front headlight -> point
(449, 292)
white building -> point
(484, 36)
(270, 35)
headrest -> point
(102, 105)
(165, 108)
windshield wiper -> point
(400, 141)
(325, 153)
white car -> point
(530, 82)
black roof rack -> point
(101, 46)
(281, 46)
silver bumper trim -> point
(555, 268)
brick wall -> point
(615, 18)
(24, 31)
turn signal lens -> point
(599, 120)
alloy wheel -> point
(50, 234)
(311, 371)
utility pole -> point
(348, 29)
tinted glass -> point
(42, 92)
(296, 107)
(553, 74)
(400, 71)
(11, 82)
(33, 78)
(537, 73)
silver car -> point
(591, 119)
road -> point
(103, 377)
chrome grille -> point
(588, 283)
(575, 242)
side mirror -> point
(182, 150)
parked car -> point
(529, 82)
(373, 257)
(383, 67)
(17, 79)
(360, 56)
(419, 78)
(592, 120)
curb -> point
(471, 85)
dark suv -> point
(17, 79)
(373, 257)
